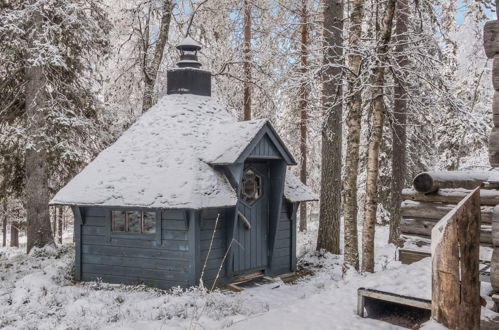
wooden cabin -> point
(186, 192)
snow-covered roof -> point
(296, 191)
(162, 161)
(231, 141)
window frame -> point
(256, 173)
(135, 235)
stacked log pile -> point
(491, 45)
(434, 194)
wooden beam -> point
(455, 266)
(487, 197)
(362, 293)
(408, 256)
(429, 210)
(423, 227)
(428, 182)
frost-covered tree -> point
(48, 106)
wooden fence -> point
(455, 241)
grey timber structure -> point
(187, 194)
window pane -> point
(251, 187)
(149, 222)
(134, 221)
(118, 223)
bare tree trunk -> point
(354, 117)
(399, 124)
(378, 116)
(4, 222)
(303, 103)
(39, 232)
(14, 234)
(247, 60)
(59, 223)
(151, 70)
(330, 208)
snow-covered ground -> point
(36, 292)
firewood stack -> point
(491, 45)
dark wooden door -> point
(251, 246)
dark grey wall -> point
(284, 250)
(214, 259)
(159, 260)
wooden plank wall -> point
(283, 253)
(266, 149)
(214, 259)
(136, 259)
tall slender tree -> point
(378, 110)
(37, 190)
(399, 138)
(330, 208)
(303, 103)
(247, 60)
(151, 66)
(353, 121)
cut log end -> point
(423, 183)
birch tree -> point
(247, 60)
(354, 116)
(378, 110)
(330, 207)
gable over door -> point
(252, 226)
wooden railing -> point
(455, 242)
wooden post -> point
(455, 258)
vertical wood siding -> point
(219, 246)
(265, 148)
(281, 260)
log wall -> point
(491, 45)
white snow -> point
(36, 293)
(158, 162)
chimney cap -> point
(189, 44)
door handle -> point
(245, 220)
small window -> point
(251, 187)
(133, 222)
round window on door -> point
(251, 187)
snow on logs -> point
(429, 182)
(436, 193)
(452, 196)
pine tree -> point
(50, 108)
(399, 139)
(303, 103)
(329, 226)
